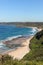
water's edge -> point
(3, 47)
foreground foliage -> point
(35, 57)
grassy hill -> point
(36, 46)
(34, 57)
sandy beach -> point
(19, 47)
(21, 51)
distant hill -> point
(32, 24)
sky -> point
(21, 10)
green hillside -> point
(34, 57)
(36, 46)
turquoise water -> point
(10, 31)
(7, 32)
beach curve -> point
(21, 51)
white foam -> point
(8, 39)
(34, 29)
(13, 37)
(2, 45)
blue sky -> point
(21, 10)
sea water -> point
(8, 32)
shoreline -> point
(20, 52)
(14, 37)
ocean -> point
(8, 32)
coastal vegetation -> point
(34, 57)
(36, 46)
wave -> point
(8, 39)
(2, 45)
(13, 37)
(28, 34)
(34, 29)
